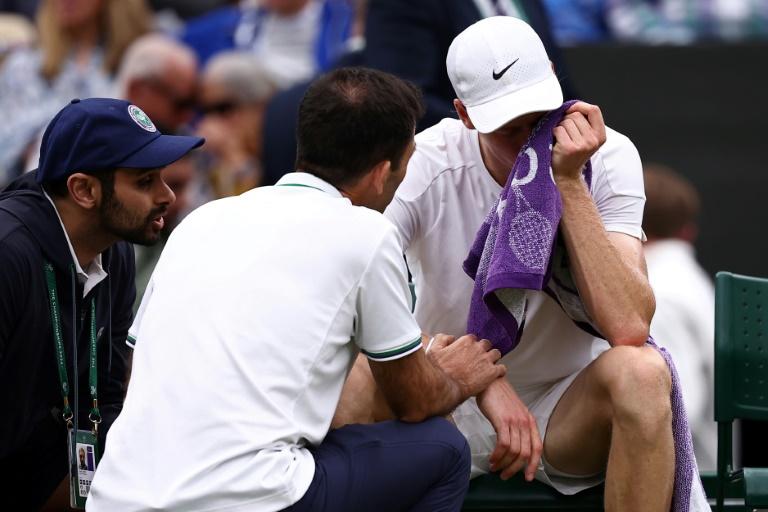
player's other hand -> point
(472, 363)
(518, 443)
(577, 137)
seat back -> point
(741, 368)
(741, 347)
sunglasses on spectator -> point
(177, 102)
(219, 108)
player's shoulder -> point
(438, 142)
(618, 152)
(446, 147)
(616, 143)
(616, 139)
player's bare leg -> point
(361, 400)
(616, 416)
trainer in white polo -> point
(253, 317)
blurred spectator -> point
(658, 21)
(410, 39)
(80, 46)
(189, 8)
(295, 39)
(24, 7)
(235, 90)
(15, 32)
(281, 116)
(578, 21)
(685, 299)
(159, 75)
(282, 110)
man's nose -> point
(165, 195)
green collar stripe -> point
(131, 339)
(298, 185)
(395, 351)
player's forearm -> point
(617, 296)
(435, 395)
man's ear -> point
(462, 111)
(379, 175)
(85, 190)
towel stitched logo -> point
(498, 75)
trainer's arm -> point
(608, 268)
(386, 332)
(415, 388)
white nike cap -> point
(500, 71)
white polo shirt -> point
(256, 311)
(446, 195)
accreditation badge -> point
(83, 458)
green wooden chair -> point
(741, 379)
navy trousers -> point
(389, 467)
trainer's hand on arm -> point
(518, 442)
(465, 360)
(416, 388)
(608, 268)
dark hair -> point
(672, 203)
(353, 118)
(106, 178)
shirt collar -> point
(305, 179)
(95, 273)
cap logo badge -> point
(141, 119)
(498, 75)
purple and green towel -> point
(518, 248)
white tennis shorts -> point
(541, 403)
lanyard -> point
(58, 338)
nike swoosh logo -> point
(498, 75)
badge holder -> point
(83, 458)
(82, 445)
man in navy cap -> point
(67, 287)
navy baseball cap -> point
(98, 134)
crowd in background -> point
(234, 72)
(225, 69)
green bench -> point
(489, 493)
(741, 378)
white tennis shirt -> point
(255, 313)
(446, 194)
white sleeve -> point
(133, 331)
(404, 211)
(617, 185)
(385, 327)
(400, 213)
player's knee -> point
(638, 383)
